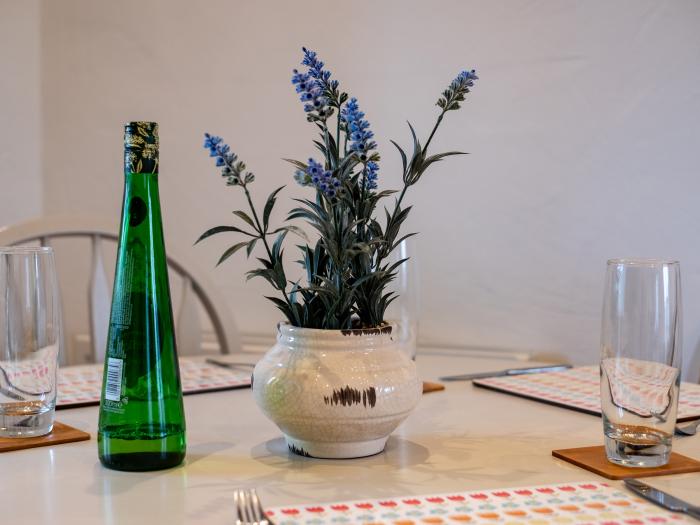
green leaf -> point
(265, 274)
(243, 215)
(396, 264)
(297, 163)
(347, 165)
(404, 160)
(300, 213)
(277, 247)
(365, 278)
(221, 229)
(385, 193)
(268, 207)
(279, 276)
(293, 292)
(416, 143)
(267, 264)
(321, 147)
(278, 302)
(440, 156)
(293, 229)
(425, 164)
(317, 208)
(299, 317)
(233, 249)
(284, 307)
(396, 243)
(250, 247)
(331, 148)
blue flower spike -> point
(361, 141)
(358, 130)
(459, 87)
(371, 176)
(323, 76)
(311, 94)
(232, 169)
(320, 178)
(320, 95)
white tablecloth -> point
(464, 438)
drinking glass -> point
(30, 335)
(404, 310)
(640, 360)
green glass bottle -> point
(142, 421)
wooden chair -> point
(195, 287)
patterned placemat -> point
(579, 389)
(82, 385)
(583, 502)
(60, 434)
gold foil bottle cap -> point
(141, 147)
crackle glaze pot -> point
(336, 393)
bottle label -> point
(113, 387)
(121, 306)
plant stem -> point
(406, 186)
(432, 133)
(263, 236)
(257, 221)
(363, 189)
(337, 136)
(330, 161)
(403, 192)
(393, 214)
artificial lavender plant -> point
(347, 269)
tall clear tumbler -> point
(405, 309)
(640, 360)
(30, 335)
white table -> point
(464, 438)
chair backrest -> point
(195, 287)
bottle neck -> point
(141, 199)
(133, 176)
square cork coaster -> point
(594, 459)
(60, 434)
(432, 387)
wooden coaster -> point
(432, 387)
(594, 459)
(60, 434)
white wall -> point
(583, 131)
(20, 111)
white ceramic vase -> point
(336, 393)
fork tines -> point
(249, 510)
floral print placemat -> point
(578, 388)
(584, 502)
(82, 385)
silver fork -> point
(249, 510)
